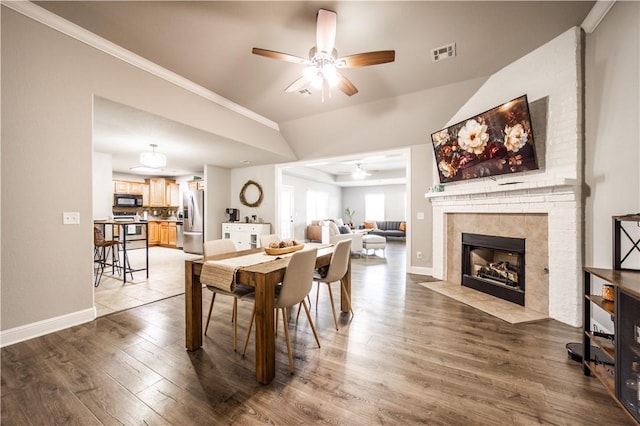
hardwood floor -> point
(410, 355)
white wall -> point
(301, 187)
(394, 201)
(266, 177)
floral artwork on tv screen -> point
(495, 142)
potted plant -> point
(350, 213)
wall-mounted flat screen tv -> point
(496, 142)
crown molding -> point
(72, 30)
(596, 14)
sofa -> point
(387, 228)
(331, 232)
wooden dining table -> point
(263, 277)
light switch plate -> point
(71, 218)
(420, 215)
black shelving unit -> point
(621, 348)
(621, 231)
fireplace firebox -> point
(494, 265)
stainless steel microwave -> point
(127, 200)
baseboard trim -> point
(40, 328)
(420, 270)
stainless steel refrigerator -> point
(193, 222)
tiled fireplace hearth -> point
(546, 215)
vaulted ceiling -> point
(210, 42)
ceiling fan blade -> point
(346, 86)
(366, 59)
(326, 30)
(280, 56)
(296, 85)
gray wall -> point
(48, 84)
(612, 145)
(216, 196)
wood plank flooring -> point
(409, 356)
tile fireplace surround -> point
(545, 213)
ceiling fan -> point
(323, 63)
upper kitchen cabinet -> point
(136, 188)
(195, 185)
(127, 187)
(163, 193)
(120, 187)
(173, 194)
(157, 192)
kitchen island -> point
(132, 235)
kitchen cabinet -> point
(195, 185)
(120, 187)
(164, 233)
(145, 196)
(157, 192)
(245, 235)
(173, 234)
(173, 194)
(163, 192)
(154, 236)
(128, 187)
(136, 188)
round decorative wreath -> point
(244, 201)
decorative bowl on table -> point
(283, 247)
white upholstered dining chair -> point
(296, 284)
(337, 270)
(214, 248)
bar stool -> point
(101, 250)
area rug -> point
(506, 311)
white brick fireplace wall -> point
(551, 76)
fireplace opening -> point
(494, 265)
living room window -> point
(317, 205)
(374, 206)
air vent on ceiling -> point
(444, 52)
(304, 92)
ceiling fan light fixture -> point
(152, 158)
(359, 173)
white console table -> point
(245, 235)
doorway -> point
(285, 215)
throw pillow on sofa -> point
(344, 229)
(333, 228)
(402, 227)
(370, 224)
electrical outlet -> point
(71, 218)
(419, 255)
